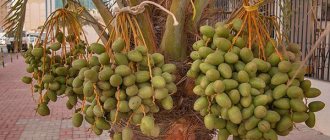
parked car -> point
(27, 38)
(33, 37)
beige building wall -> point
(35, 14)
(3, 13)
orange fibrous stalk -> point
(69, 22)
(257, 31)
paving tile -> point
(21, 121)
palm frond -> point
(14, 20)
(85, 17)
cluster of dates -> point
(121, 86)
(245, 96)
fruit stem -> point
(117, 106)
(97, 98)
(129, 119)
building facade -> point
(35, 14)
(37, 11)
(3, 13)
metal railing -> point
(309, 20)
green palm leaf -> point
(14, 20)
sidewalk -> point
(8, 57)
(18, 120)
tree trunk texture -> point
(199, 8)
(174, 43)
(147, 27)
(18, 34)
(104, 12)
(96, 25)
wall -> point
(3, 13)
(92, 36)
(323, 120)
(309, 20)
(35, 14)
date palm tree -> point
(158, 34)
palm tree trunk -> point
(174, 44)
(174, 38)
(19, 32)
(96, 25)
(147, 27)
(199, 8)
(104, 11)
(92, 21)
(120, 3)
